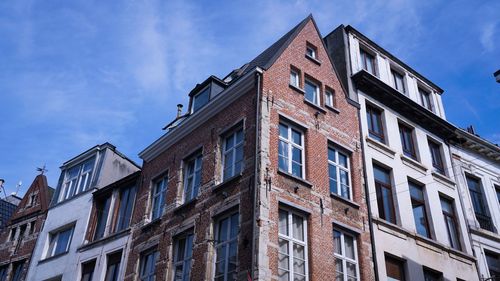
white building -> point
(477, 172)
(418, 227)
(62, 246)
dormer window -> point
(367, 61)
(425, 98)
(77, 179)
(200, 99)
(398, 81)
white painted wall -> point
(468, 162)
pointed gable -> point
(36, 198)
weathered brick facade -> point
(258, 197)
(18, 239)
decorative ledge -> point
(297, 89)
(315, 106)
(380, 147)
(295, 178)
(331, 108)
(443, 179)
(414, 164)
(185, 206)
(226, 183)
(345, 201)
(106, 239)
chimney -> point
(179, 110)
(471, 130)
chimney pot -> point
(179, 110)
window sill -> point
(315, 60)
(413, 164)
(150, 224)
(295, 178)
(331, 108)
(443, 179)
(52, 257)
(344, 200)
(185, 206)
(226, 183)
(297, 89)
(315, 106)
(380, 147)
(106, 239)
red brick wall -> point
(340, 127)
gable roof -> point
(40, 187)
(266, 59)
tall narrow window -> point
(3, 272)
(419, 209)
(102, 212)
(292, 240)
(479, 204)
(425, 98)
(367, 61)
(32, 228)
(375, 126)
(226, 248)
(233, 154)
(192, 177)
(346, 256)
(383, 189)
(312, 92)
(451, 222)
(113, 266)
(148, 266)
(398, 81)
(407, 142)
(339, 172)
(432, 275)
(159, 194)
(437, 160)
(59, 242)
(17, 270)
(497, 190)
(295, 78)
(88, 270)
(183, 248)
(291, 150)
(395, 269)
(12, 235)
(493, 261)
(330, 98)
(124, 208)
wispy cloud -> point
(487, 36)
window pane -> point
(337, 246)
(296, 137)
(283, 222)
(311, 92)
(298, 227)
(332, 173)
(283, 155)
(63, 240)
(296, 169)
(283, 131)
(201, 99)
(349, 246)
(223, 228)
(343, 160)
(381, 175)
(331, 155)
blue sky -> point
(77, 73)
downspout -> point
(256, 169)
(367, 198)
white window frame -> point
(339, 168)
(54, 236)
(294, 78)
(395, 72)
(186, 258)
(317, 100)
(233, 150)
(312, 50)
(343, 256)
(70, 189)
(159, 195)
(329, 98)
(291, 241)
(420, 90)
(290, 145)
(228, 242)
(187, 176)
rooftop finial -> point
(42, 170)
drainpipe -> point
(367, 198)
(256, 169)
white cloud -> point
(487, 38)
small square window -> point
(330, 97)
(311, 51)
(295, 78)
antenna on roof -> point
(42, 170)
(18, 186)
(2, 181)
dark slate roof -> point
(269, 56)
(6, 211)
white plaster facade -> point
(109, 166)
(472, 159)
(400, 239)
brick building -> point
(19, 237)
(261, 179)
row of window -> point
(17, 271)
(368, 63)
(375, 122)
(77, 179)
(312, 89)
(20, 231)
(232, 165)
(291, 154)
(385, 201)
(396, 270)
